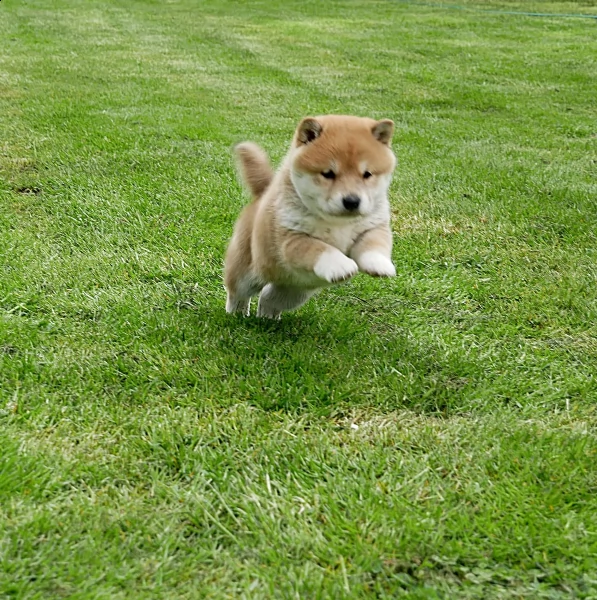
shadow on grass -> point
(320, 359)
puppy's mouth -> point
(345, 215)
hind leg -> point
(239, 278)
(239, 295)
(234, 304)
(275, 299)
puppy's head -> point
(341, 167)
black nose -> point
(351, 202)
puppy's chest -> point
(341, 236)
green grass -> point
(431, 436)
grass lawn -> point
(431, 436)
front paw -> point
(376, 264)
(333, 266)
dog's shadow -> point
(322, 357)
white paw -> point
(238, 305)
(333, 266)
(376, 264)
(268, 313)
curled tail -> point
(255, 169)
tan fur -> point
(255, 168)
(321, 218)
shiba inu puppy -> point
(321, 218)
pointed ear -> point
(383, 131)
(309, 129)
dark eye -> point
(329, 174)
(367, 174)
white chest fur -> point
(338, 232)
